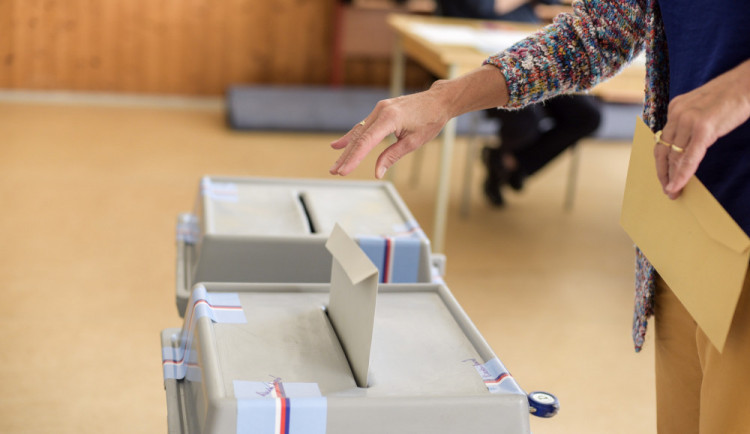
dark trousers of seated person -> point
(533, 136)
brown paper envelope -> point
(697, 248)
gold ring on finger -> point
(659, 141)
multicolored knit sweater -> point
(580, 50)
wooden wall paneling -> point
(77, 27)
(128, 42)
(163, 46)
(69, 46)
(168, 51)
(168, 57)
(192, 45)
(318, 67)
(288, 36)
(44, 64)
(204, 29)
(234, 15)
(376, 71)
(368, 44)
(417, 77)
(55, 45)
(360, 71)
(35, 69)
(122, 48)
(146, 43)
(152, 34)
(103, 57)
(101, 32)
(262, 35)
(306, 45)
(83, 41)
(246, 42)
(302, 37)
(6, 43)
(210, 30)
(53, 48)
(326, 30)
(262, 38)
(196, 55)
(176, 50)
(23, 43)
(258, 39)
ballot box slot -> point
(348, 361)
(302, 198)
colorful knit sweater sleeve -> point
(578, 51)
(575, 52)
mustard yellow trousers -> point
(698, 389)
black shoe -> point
(492, 193)
(495, 176)
(516, 179)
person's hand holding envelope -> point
(695, 246)
(695, 120)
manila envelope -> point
(351, 303)
(695, 246)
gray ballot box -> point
(274, 230)
(264, 358)
(347, 357)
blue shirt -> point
(706, 38)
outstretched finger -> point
(393, 153)
(347, 143)
(362, 142)
(334, 170)
(344, 140)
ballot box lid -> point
(292, 207)
(425, 351)
(274, 230)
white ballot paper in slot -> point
(351, 306)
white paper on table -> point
(485, 40)
(445, 34)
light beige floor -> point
(89, 199)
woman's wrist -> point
(479, 89)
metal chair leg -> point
(471, 156)
(570, 189)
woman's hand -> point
(418, 118)
(413, 119)
(695, 120)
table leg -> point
(444, 180)
(398, 68)
(471, 156)
(398, 77)
(570, 187)
(443, 190)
